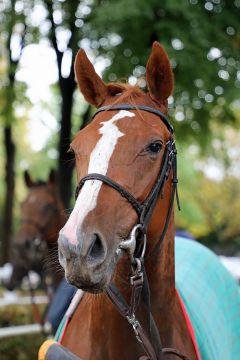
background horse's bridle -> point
(139, 282)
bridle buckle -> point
(135, 324)
(138, 274)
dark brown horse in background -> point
(35, 244)
(127, 146)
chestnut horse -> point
(126, 169)
(35, 244)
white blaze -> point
(98, 163)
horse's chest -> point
(99, 335)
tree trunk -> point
(65, 163)
(66, 160)
(9, 194)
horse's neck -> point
(160, 269)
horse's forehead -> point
(38, 195)
(133, 125)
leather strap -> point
(170, 351)
(146, 108)
(124, 309)
(113, 184)
(135, 298)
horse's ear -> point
(27, 178)
(91, 85)
(52, 178)
(159, 74)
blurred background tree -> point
(64, 35)
(14, 41)
(202, 39)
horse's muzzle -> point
(84, 263)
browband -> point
(149, 109)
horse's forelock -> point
(131, 94)
(124, 92)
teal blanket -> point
(212, 299)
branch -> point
(72, 43)
(23, 40)
(11, 62)
(14, 63)
(53, 39)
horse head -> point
(124, 147)
(42, 216)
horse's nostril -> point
(96, 249)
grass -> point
(20, 347)
(24, 347)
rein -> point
(153, 349)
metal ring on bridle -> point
(129, 245)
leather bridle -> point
(136, 244)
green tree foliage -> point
(202, 39)
(219, 203)
(191, 216)
(210, 188)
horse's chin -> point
(88, 286)
(95, 282)
(96, 289)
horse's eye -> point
(154, 148)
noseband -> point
(153, 349)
